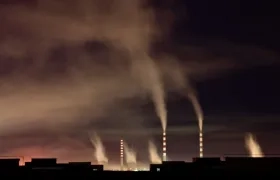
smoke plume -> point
(55, 78)
(198, 110)
(153, 154)
(184, 86)
(253, 146)
(152, 81)
(100, 154)
(130, 155)
(33, 93)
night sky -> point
(229, 50)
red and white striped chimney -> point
(164, 146)
(200, 144)
(121, 154)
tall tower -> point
(164, 146)
(121, 154)
(200, 143)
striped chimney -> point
(164, 146)
(121, 154)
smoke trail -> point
(253, 146)
(198, 109)
(127, 25)
(179, 79)
(143, 66)
(91, 89)
(124, 24)
(199, 114)
(130, 155)
(149, 74)
(153, 154)
(158, 97)
(99, 153)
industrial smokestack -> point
(121, 154)
(199, 114)
(201, 144)
(164, 146)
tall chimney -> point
(200, 144)
(164, 146)
(121, 154)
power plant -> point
(128, 160)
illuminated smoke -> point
(32, 96)
(253, 146)
(143, 66)
(153, 154)
(130, 155)
(148, 72)
(158, 96)
(198, 110)
(126, 25)
(199, 114)
(182, 82)
(99, 153)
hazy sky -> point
(67, 69)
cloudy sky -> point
(68, 68)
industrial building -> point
(198, 167)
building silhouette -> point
(199, 167)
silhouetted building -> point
(9, 163)
(200, 167)
(84, 166)
(170, 166)
(103, 164)
(79, 165)
(155, 167)
(209, 162)
(43, 162)
(250, 163)
(97, 167)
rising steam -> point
(125, 25)
(100, 154)
(150, 76)
(41, 90)
(198, 110)
(145, 68)
(130, 155)
(153, 154)
(253, 146)
(183, 83)
(158, 96)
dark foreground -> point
(230, 168)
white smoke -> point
(153, 154)
(253, 146)
(130, 154)
(32, 95)
(100, 154)
(198, 110)
(150, 76)
(126, 25)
